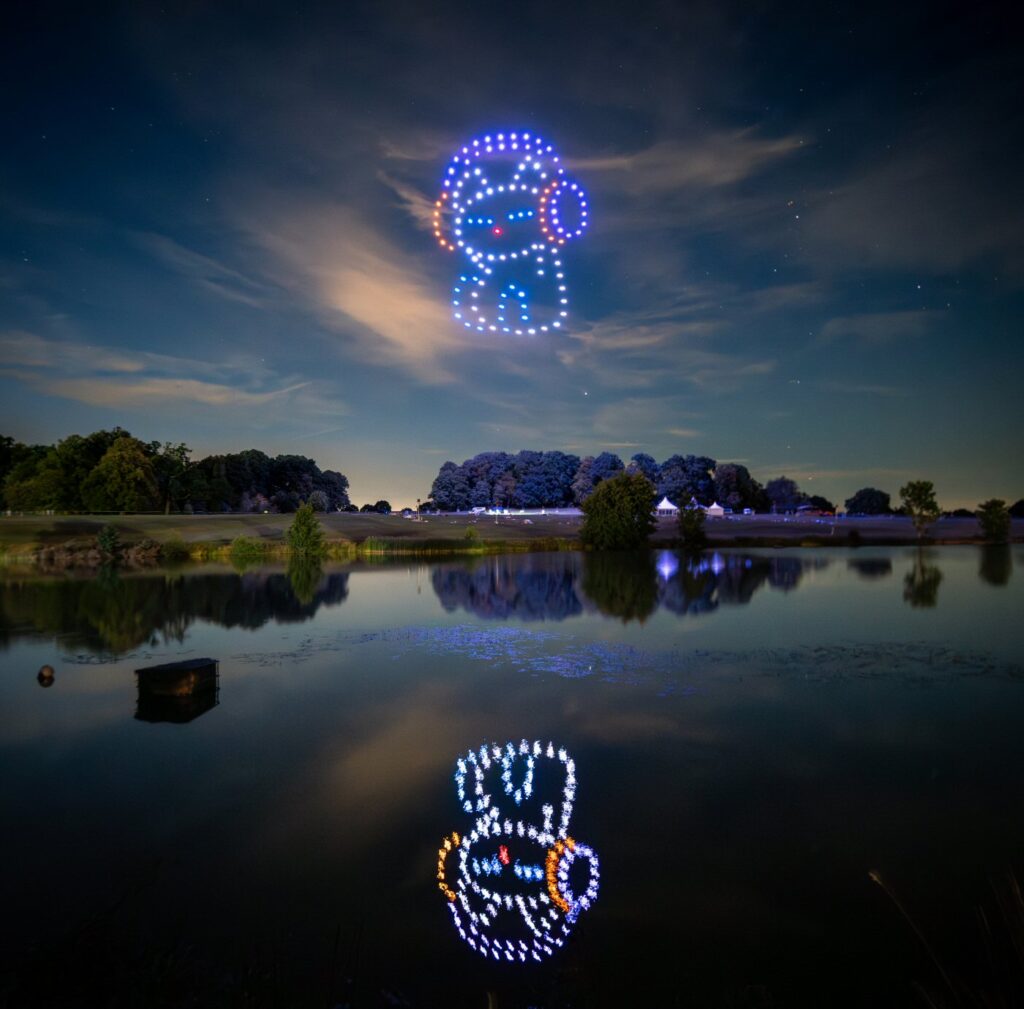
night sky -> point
(805, 250)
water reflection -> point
(921, 582)
(177, 692)
(871, 568)
(996, 564)
(122, 613)
(624, 586)
(511, 886)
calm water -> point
(751, 735)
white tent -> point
(715, 511)
(666, 508)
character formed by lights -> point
(508, 207)
(509, 879)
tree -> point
(735, 488)
(450, 489)
(170, 463)
(868, 501)
(123, 480)
(995, 520)
(918, 497)
(583, 481)
(318, 501)
(691, 528)
(305, 535)
(645, 464)
(619, 514)
(1017, 509)
(821, 503)
(382, 507)
(783, 494)
(688, 476)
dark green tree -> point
(305, 535)
(868, 501)
(918, 497)
(784, 494)
(735, 488)
(995, 520)
(691, 529)
(619, 514)
(123, 480)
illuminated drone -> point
(509, 207)
(509, 882)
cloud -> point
(674, 166)
(876, 327)
(206, 272)
(131, 379)
(159, 391)
(416, 204)
(363, 287)
(27, 350)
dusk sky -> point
(805, 250)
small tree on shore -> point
(995, 520)
(918, 497)
(305, 535)
(619, 514)
(691, 528)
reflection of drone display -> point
(509, 884)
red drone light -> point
(503, 854)
(497, 230)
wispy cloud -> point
(671, 167)
(101, 376)
(369, 292)
(872, 328)
(208, 273)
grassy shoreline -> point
(34, 538)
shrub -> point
(471, 535)
(108, 541)
(691, 528)
(619, 514)
(246, 550)
(305, 535)
(174, 550)
(995, 520)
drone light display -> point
(509, 207)
(507, 881)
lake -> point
(736, 741)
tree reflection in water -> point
(996, 564)
(921, 582)
(120, 613)
(624, 586)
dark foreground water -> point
(743, 741)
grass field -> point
(22, 533)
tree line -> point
(111, 471)
(558, 480)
